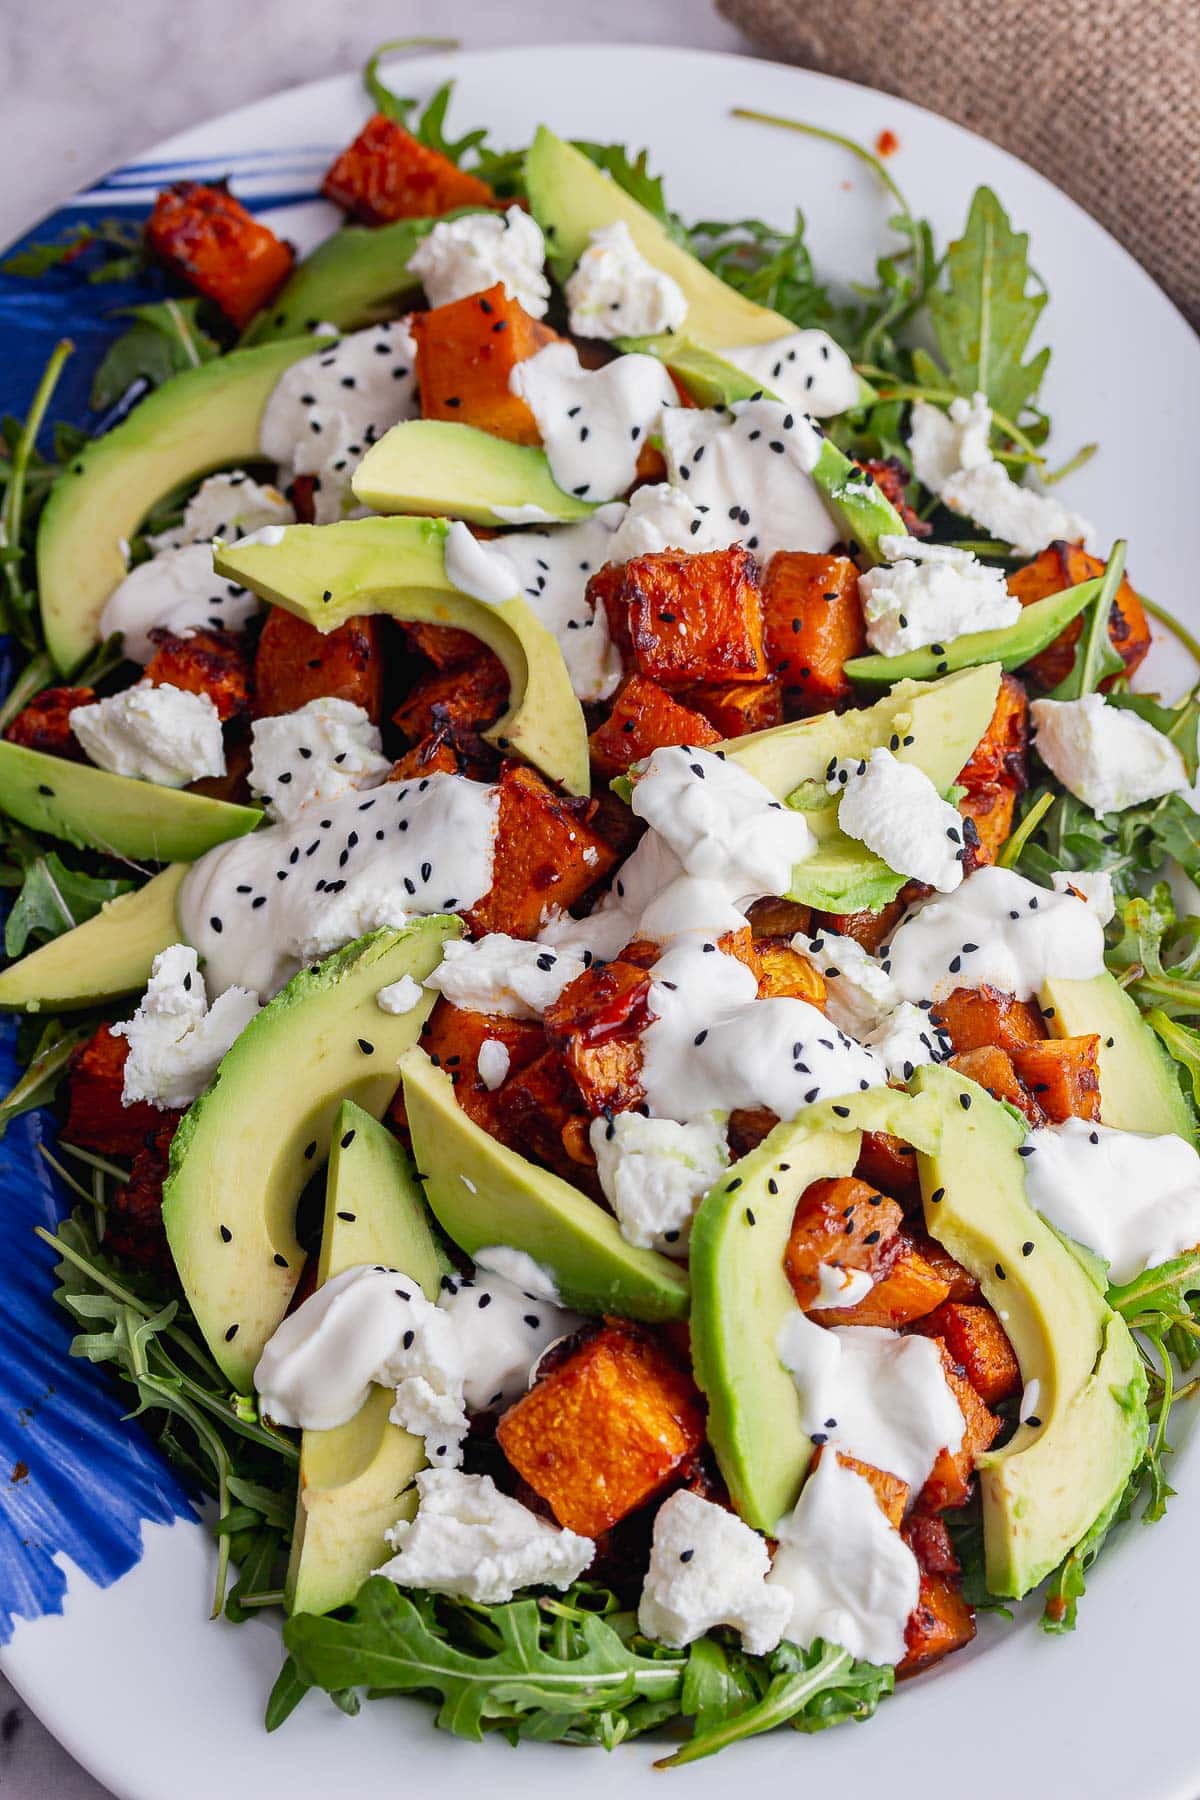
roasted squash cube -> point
(890, 1492)
(385, 174)
(447, 752)
(445, 645)
(772, 918)
(607, 1430)
(1063, 1075)
(453, 1037)
(949, 1481)
(738, 707)
(842, 1222)
(296, 663)
(644, 717)
(886, 1162)
(134, 1230)
(892, 478)
(870, 929)
(45, 723)
(536, 1113)
(1001, 757)
(942, 1621)
(211, 241)
(993, 1069)
(907, 1287)
(96, 1119)
(812, 622)
(990, 811)
(551, 857)
(974, 1017)
(597, 1023)
(1061, 566)
(977, 1340)
(688, 619)
(208, 662)
(466, 699)
(466, 352)
(784, 973)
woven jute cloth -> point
(1102, 96)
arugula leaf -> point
(1067, 1585)
(771, 267)
(1182, 1043)
(984, 316)
(808, 1689)
(165, 338)
(1095, 656)
(717, 1685)
(37, 1082)
(18, 599)
(120, 239)
(54, 899)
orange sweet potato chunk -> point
(892, 478)
(385, 174)
(812, 622)
(738, 707)
(885, 1162)
(990, 811)
(445, 645)
(208, 662)
(993, 1069)
(973, 1017)
(772, 918)
(949, 1481)
(96, 1119)
(870, 929)
(296, 663)
(223, 251)
(890, 1492)
(1061, 566)
(446, 752)
(466, 352)
(597, 1023)
(1063, 1075)
(45, 725)
(134, 1229)
(1001, 757)
(537, 1111)
(842, 1221)
(643, 718)
(551, 856)
(977, 1340)
(453, 1036)
(685, 619)
(783, 973)
(606, 1431)
(465, 699)
(907, 1287)
(942, 1621)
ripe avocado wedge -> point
(1010, 646)
(125, 818)
(482, 1193)
(1053, 1480)
(1138, 1089)
(357, 277)
(741, 1295)
(329, 573)
(709, 378)
(356, 1480)
(102, 959)
(569, 197)
(431, 466)
(202, 420)
(245, 1149)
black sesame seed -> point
(1000, 1275)
(348, 1216)
(226, 1234)
(1027, 1247)
(231, 1333)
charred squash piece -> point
(385, 175)
(445, 645)
(208, 662)
(884, 1162)
(96, 1119)
(1061, 566)
(890, 1492)
(535, 1110)
(949, 1481)
(907, 1287)
(134, 1229)
(737, 707)
(643, 718)
(783, 973)
(977, 1340)
(597, 1023)
(447, 752)
(870, 929)
(686, 619)
(891, 478)
(551, 857)
(465, 699)
(812, 622)
(842, 1221)
(466, 352)
(771, 918)
(990, 810)
(993, 1069)
(1001, 757)
(453, 1037)
(209, 239)
(607, 1430)
(1063, 1075)
(296, 663)
(975, 1017)
(45, 723)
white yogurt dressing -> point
(322, 750)
(176, 589)
(260, 907)
(805, 369)
(504, 975)
(227, 506)
(593, 422)
(476, 569)
(894, 809)
(838, 1287)
(751, 464)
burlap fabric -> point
(1103, 96)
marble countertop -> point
(86, 90)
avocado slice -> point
(483, 1193)
(356, 1480)
(434, 467)
(741, 1294)
(245, 1149)
(1053, 1480)
(1138, 1089)
(94, 810)
(326, 574)
(945, 720)
(1010, 646)
(102, 959)
(570, 198)
(202, 420)
(357, 277)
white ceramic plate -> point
(157, 1701)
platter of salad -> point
(601, 997)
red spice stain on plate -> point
(887, 144)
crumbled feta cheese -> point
(502, 974)
(1106, 756)
(615, 292)
(399, 996)
(471, 1540)
(322, 750)
(929, 594)
(751, 464)
(227, 506)
(503, 1331)
(952, 458)
(427, 1367)
(465, 256)
(906, 1039)
(807, 369)
(661, 517)
(859, 990)
(838, 1287)
(848, 1574)
(655, 1172)
(706, 1569)
(1093, 886)
(175, 1038)
(593, 422)
(894, 809)
(721, 822)
(162, 734)
(178, 590)
(321, 1361)
(492, 1063)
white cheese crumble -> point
(1133, 1199)
(1093, 886)
(859, 991)
(323, 750)
(178, 590)
(1106, 756)
(175, 1038)
(492, 1063)
(952, 458)
(806, 369)
(850, 1577)
(162, 734)
(465, 256)
(751, 465)
(930, 594)
(225, 506)
(999, 930)
(721, 822)
(471, 1540)
(905, 1040)
(502, 974)
(894, 809)
(593, 422)
(503, 1331)
(399, 996)
(706, 1569)
(615, 292)
(661, 517)
(655, 1172)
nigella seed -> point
(216, 925)
(230, 1334)
(484, 1300)
(964, 1100)
(843, 1112)
(1000, 1275)
(818, 1438)
(532, 1320)
(937, 1196)
(772, 1186)
(670, 1237)
(281, 1262)
(685, 1556)
(367, 1048)
(700, 1037)
(226, 1234)
(407, 1339)
(731, 1185)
